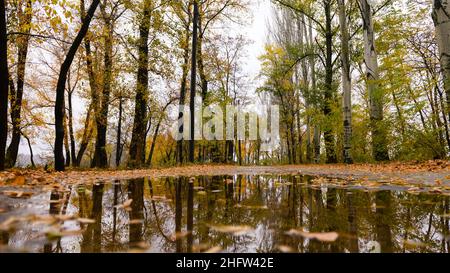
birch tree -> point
(379, 136)
(346, 81)
(441, 19)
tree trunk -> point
(66, 141)
(346, 82)
(87, 134)
(313, 94)
(25, 17)
(379, 137)
(200, 63)
(88, 128)
(184, 76)
(137, 146)
(4, 85)
(31, 150)
(329, 97)
(152, 148)
(119, 134)
(193, 82)
(71, 134)
(441, 11)
(100, 156)
(60, 89)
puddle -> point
(250, 213)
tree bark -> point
(4, 85)
(379, 137)
(25, 17)
(87, 134)
(200, 62)
(137, 146)
(184, 76)
(71, 134)
(441, 19)
(100, 155)
(60, 89)
(193, 81)
(119, 134)
(31, 150)
(313, 93)
(88, 128)
(346, 82)
(330, 144)
(66, 141)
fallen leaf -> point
(413, 244)
(179, 235)
(86, 221)
(18, 181)
(141, 245)
(159, 198)
(323, 237)
(214, 249)
(55, 233)
(251, 207)
(285, 249)
(125, 204)
(8, 223)
(18, 194)
(435, 190)
(136, 221)
(235, 230)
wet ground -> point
(231, 213)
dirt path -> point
(432, 173)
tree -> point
(193, 82)
(109, 18)
(137, 146)
(24, 15)
(346, 81)
(60, 89)
(93, 108)
(185, 70)
(4, 85)
(375, 92)
(441, 11)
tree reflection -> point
(176, 215)
(136, 214)
(92, 237)
(384, 220)
(55, 206)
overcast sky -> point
(257, 33)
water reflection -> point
(179, 215)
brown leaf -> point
(86, 221)
(323, 237)
(18, 194)
(18, 181)
(235, 230)
(214, 249)
(136, 221)
(285, 249)
(125, 204)
(6, 225)
(179, 235)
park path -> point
(431, 173)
